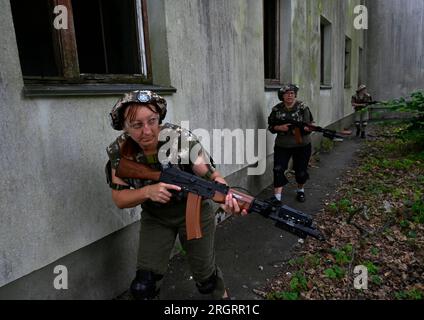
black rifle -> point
(367, 104)
(197, 188)
(298, 128)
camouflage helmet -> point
(138, 96)
(360, 88)
(285, 88)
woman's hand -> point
(282, 128)
(231, 206)
(159, 192)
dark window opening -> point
(271, 40)
(348, 62)
(106, 41)
(106, 36)
(361, 67)
(34, 36)
(326, 48)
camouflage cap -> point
(138, 96)
(361, 87)
(286, 88)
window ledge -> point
(35, 90)
(272, 87)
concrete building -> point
(218, 63)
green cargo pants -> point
(158, 232)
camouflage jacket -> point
(179, 143)
(300, 112)
(365, 99)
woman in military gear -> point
(360, 102)
(140, 114)
(286, 145)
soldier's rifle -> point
(198, 188)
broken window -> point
(271, 22)
(105, 41)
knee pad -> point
(209, 285)
(364, 124)
(143, 287)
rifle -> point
(198, 188)
(298, 126)
(367, 105)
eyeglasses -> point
(140, 125)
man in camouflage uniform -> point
(286, 146)
(360, 102)
(140, 115)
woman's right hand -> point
(159, 192)
(282, 128)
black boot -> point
(363, 135)
(358, 130)
(300, 196)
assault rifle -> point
(367, 105)
(298, 128)
(198, 188)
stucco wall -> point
(54, 199)
(216, 54)
(53, 196)
(395, 47)
(302, 65)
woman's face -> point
(142, 124)
(289, 97)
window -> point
(106, 41)
(360, 67)
(271, 41)
(348, 62)
(326, 46)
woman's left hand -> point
(231, 206)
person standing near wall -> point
(286, 146)
(140, 115)
(360, 102)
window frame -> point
(326, 53)
(348, 64)
(66, 54)
(277, 79)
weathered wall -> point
(331, 104)
(54, 198)
(216, 54)
(395, 47)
